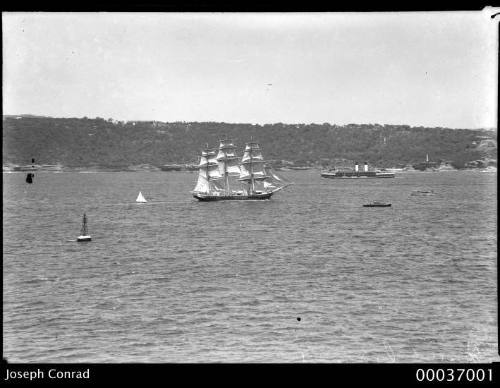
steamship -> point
(354, 174)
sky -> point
(433, 69)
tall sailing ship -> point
(223, 176)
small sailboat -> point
(84, 236)
(140, 198)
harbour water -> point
(176, 280)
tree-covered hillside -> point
(108, 143)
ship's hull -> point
(171, 168)
(207, 198)
(377, 205)
(25, 168)
(357, 175)
(425, 165)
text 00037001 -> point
(454, 374)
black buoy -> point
(298, 319)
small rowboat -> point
(377, 204)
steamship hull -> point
(253, 197)
(356, 175)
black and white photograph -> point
(250, 187)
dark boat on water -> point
(377, 204)
(171, 167)
(223, 176)
(426, 165)
(30, 176)
(233, 197)
(422, 192)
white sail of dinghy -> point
(140, 198)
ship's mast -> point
(252, 166)
(228, 162)
(84, 226)
(205, 154)
(208, 171)
(252, 181)
(206, 165)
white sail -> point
(252, 164)
(226, 150)
(244, 172)
(269, 185)
(274, 182)
(230, 166)
(140, 198)
(234, 170)
(273, 175)
(207, 158)
(228, 161)
(247, 169)
(208, 169)
(213, 171)
(202, 186)
(252, 152)
(212, 159)
(203, 160)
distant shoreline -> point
(95, 169)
